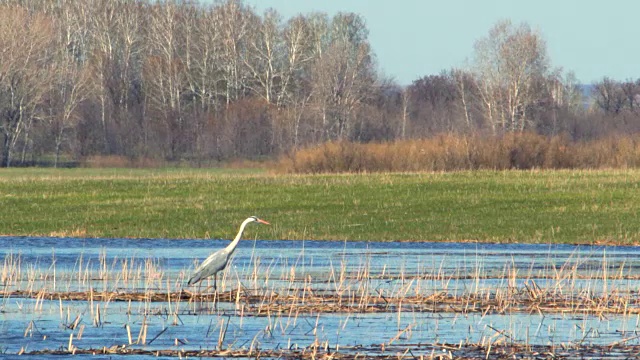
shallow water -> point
(125, 265)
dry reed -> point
(447, 152)
(344, 289)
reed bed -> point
(449, 152)
(139, 293)
(577, 286)
(374, 352)
(524, 301)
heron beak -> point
(263, 222)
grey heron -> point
(218, 260)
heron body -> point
(218, 260)
(211, 266)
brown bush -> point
(451, 152)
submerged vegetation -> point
(564, 206)
(138, 306)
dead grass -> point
(284, 296)
(71, 233)
(465, 152)
(501, 347)
(567, 289)
(528, 299)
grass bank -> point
(504, 206)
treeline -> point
(188, 81)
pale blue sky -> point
(413, 38)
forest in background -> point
(181, 81)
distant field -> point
(504, 206)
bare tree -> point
(68, 89)
(435, 104)
(117, 30)
(166, 76)
(406, 100)
(264, 54)
(232, 22)
(203, 70)
(609, 95)
(508, 62)
(294, 89)
(205, 62)
(631, 91)
(465, 85)
(299, 52)
(170, 78)
(26, 42)
(102, 56)
(343, 75)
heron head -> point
(256, 219)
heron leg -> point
(215, 292)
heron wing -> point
(210, 266)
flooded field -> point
(123, 297)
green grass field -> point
(509, 206)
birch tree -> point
(295, 91)
(263, 57)
(232, 22)
(165, 75)
(507, 63)
(343, 75)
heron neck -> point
(236, 240)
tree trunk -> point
(6, 152)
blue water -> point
(179, 254)
(280, 266)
